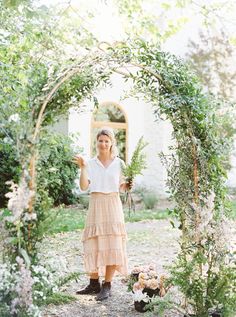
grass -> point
(59, 299)
(145, 215)
(70, 219)
(233, 208)
(66, 219)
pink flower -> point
(152, 274)
(151, 267)
(137, 269)
(19, 199)
(23, 288)
(153, 283)
(143, 276)
(137, 286)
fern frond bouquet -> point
(137, 163)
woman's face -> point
(104, 144)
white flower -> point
(139, 295)
(19, 199)
(137, 286)
(30, 216)
(52, 169)
(14, 117)
(8, 140)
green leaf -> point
(25, 257)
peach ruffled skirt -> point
(104, 236)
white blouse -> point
(105, 179)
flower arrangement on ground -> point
(145, 284)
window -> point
(111, 115)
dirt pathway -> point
(148, 242)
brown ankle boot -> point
(93, 288)
(105, 291)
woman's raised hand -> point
(79, 160)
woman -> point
(104, 235)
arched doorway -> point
(111, 114)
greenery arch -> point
(195, 168)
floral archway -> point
(195, 173)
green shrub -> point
(149, 200)
(55, 171)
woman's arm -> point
(83, 181)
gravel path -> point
(152, 241)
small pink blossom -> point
(23, 288)
(143, 276)
(137, 269)
(19, 199)
(137, 286)
(153, 283)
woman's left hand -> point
(126, 186)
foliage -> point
(16, 290)
(59, 298)
(160, 305)
(137, 163)
(56, 176)
(56, 172)
(24, 289)
(215, 291)
(135, 167)
(159, 21)
(212, 59)
(149, 200)
(196, 175)
(232, 213)
(28, 74)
